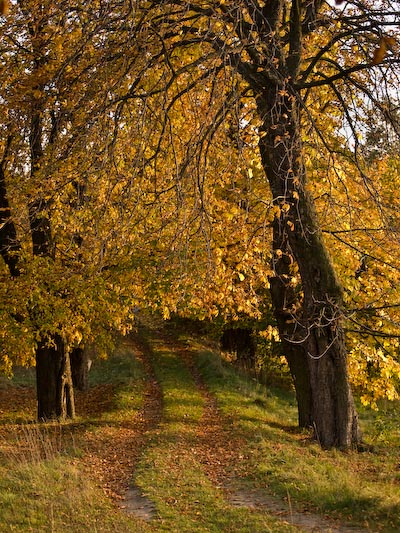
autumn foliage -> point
(131, 174)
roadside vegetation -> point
(223, 453)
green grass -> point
(363, 488)
(43, 486)
(53, 496)
(171, 473)
(22, 377)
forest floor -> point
(185, 455)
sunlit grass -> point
(54, 496)
(43, 486)
(359, 487)
(171, 472)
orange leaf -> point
(390, 41)
(380, 52)
(4, 7)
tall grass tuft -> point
(34, 443)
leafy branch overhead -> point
(223, 160)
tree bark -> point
(285, 303)
(53, 368)
(314, 338)
(9, 244)
(80, 368)
(55, 393)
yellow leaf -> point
(380, 52)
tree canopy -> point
(212, 159)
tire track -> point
(114, 452)
(220, 451)
(219, 447)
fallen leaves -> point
(114, 449)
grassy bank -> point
(362, 488)
(44, 485)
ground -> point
(111, 453)
(113, 457)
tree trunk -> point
(241, 343)
(311, 327)
(53, 368)
(9, 244)
(335, 419)
(54, 381)
(283, 300)
(286, 301)
(80, 368)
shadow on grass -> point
(288, 428)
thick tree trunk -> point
(310, 328)
(55, 393)
(282, 296)
(53, 369)
(335, 419)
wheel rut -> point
(113, 453)
(220, 450)
(218, 447)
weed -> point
(34, 443)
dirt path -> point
(114, 451)
(218, 446)
(219, 449)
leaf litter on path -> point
(220, 449)
(114, 451)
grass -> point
(363, 488)
(171, 471)
(44, 487)
(52, 495)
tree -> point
(54, 56)
(285, 52)
(92, 222)
(130, 176)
